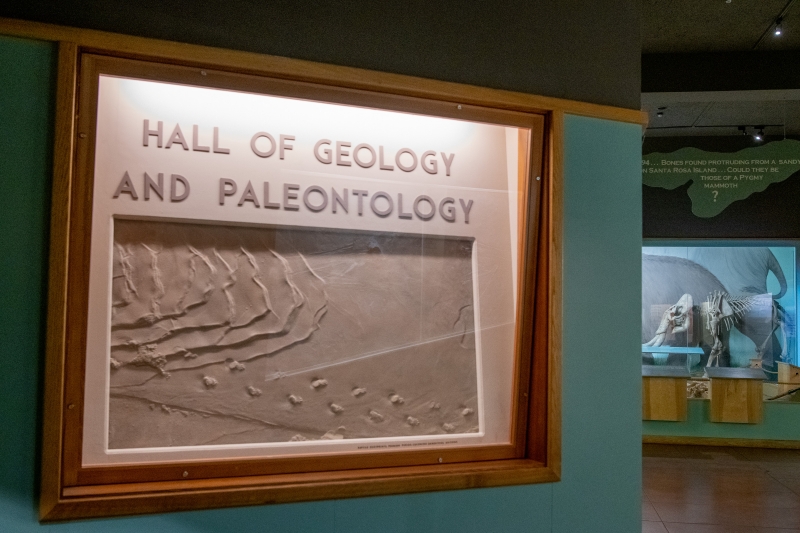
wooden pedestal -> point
(664, 393)
(788, 374)
(736, 395)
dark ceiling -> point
(677, 26)
(696, 53)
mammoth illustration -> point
(744, 270)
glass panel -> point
(296, 277)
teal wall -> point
(780, 423)
(601, 485)
(602, 295)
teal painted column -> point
(26, 89)
(601, 487)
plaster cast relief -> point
(225, 335)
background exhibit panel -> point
(226, 335)
(752, 285)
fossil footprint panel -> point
(224, 334)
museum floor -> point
(703, 489)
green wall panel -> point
(780, 423)
(601, 485)
(25, 141)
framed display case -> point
(266, 289)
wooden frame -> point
(68, 491)
(92, 66)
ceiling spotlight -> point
(660, 114)
(759, 134)
(778, 27)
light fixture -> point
(660, 113)
(778, 27)
(759, 134)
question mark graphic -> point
(715, 195)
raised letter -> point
(227, 187)
(159, 133)
(382, 165)
(447, 162)
(290, 193)
(400, 165)
(400, 212)
(195, 146)
(385, 212)
(126, 186)
(434, 165)
(249, 195)
(341, 154)
(173, 188)
(360, 163)
(467, 208)
(177, 138)
(328, 158)
(285, 146)
(419, 213)
(309, 205)
(448, 212)
(217, 149)
(343, 201)
(255, 149)
(150, 184)
(267, 203)
(361, 195)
